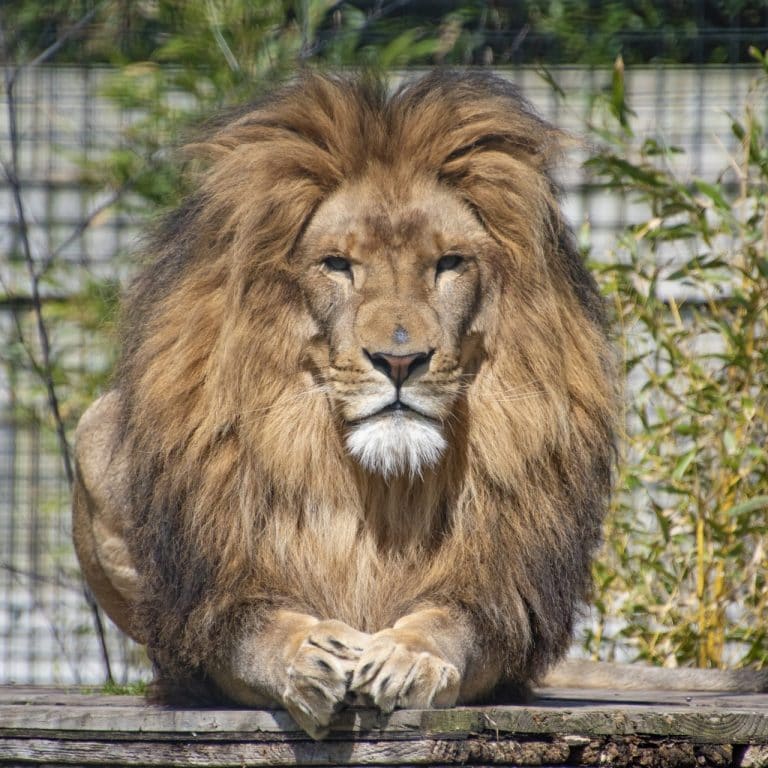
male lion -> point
(360, 440)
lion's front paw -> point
(320, 672)
(400, 669)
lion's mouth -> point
(396, 408)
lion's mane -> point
(230, 454)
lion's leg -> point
(100, 511)
(295, 661)
(429, 658)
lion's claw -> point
(393, 674)
(319, 674)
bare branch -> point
(60, 579)
(39, 372)
(82, 226)
(42, 609)
(45, 366)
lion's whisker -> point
(281, 402)
(514, 391)
(523, 388)
(525, 396)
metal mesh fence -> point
(46, 628)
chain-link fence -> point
(46, 628)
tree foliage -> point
(574, 32)
(684, 566)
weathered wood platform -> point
(65, 727)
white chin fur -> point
(396, 444)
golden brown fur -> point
(247, 513)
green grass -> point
(137, 688)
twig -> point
(39, 606)
(39, 372)
(46, 366)
(59, 580)
(82, 225)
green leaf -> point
(618, 101)
(406, 47)
(549, 79)
(751, 505)
(762, 58)
(714, 193)
(683, 463)
(652, 147)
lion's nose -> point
(398, 367)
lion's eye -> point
(449, 262)
(337, 264)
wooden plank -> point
(71, 727)
(703, 725)
(79, 695)
(476, 751)
(70, 696)
(310, 753)
(729, 699)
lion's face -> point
(394, 282)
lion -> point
(360, 440)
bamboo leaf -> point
(754, 504)
(683, 463)
(714, 193)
